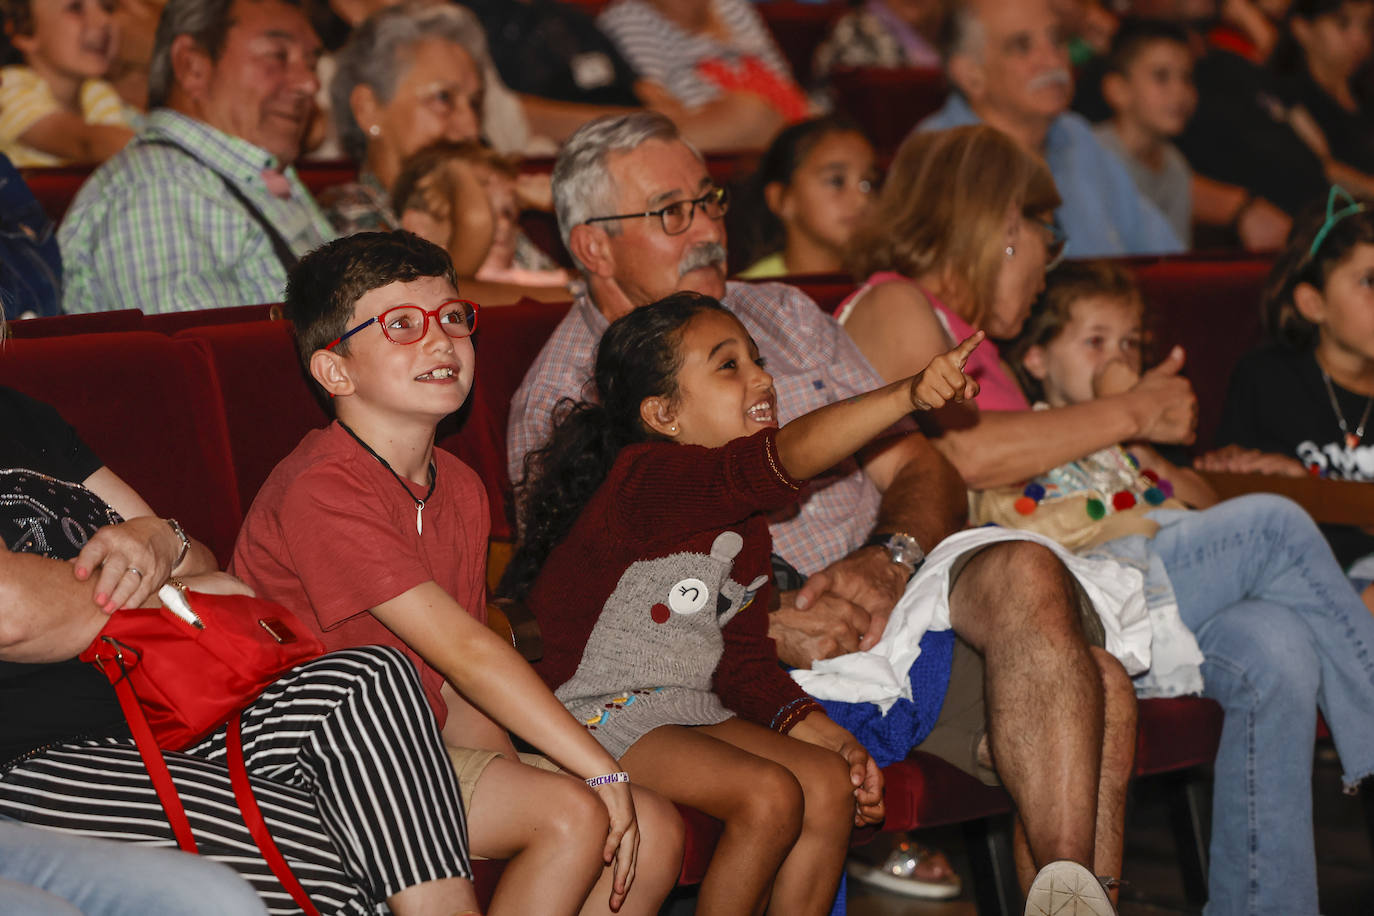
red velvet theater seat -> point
(1211, 309)
(149, 407)
(888, 103)
(172, 322)
(268, 405)
(86, 323)
(507, 340)
(55, 186)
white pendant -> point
(419, 517)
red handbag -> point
(182, 674)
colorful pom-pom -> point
(1123, 499)
(1034, 491)
(1314, 469)
(1154, 496)
(1132, 459)
(1025, 505)
(1167, 488)
(1150, 476)
(1095, 509)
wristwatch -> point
(181, 535)
(902, 549)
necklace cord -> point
(433, 471)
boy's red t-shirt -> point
(331, 534)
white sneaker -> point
(897, 874)
(1065, 888)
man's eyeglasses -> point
(408, 324)
(677, 216)
(1055, 241)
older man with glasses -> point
(642, 217)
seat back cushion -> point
(150, 408)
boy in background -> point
(1149, 86)
(55, 107)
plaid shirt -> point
(813, 363)
(153, 229)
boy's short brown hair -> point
(1134, 35)
(17, 16)
(328, 282)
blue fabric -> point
(1103, 212)
(1283, 634)
(889, 738)
(46, 873)
(30, 266)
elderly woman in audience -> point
(410, 76)
(1323, 46)
(961, 238)
(80, 545)
(715, 60)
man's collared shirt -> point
(156, 230)
(813, 363)
(1102, 212)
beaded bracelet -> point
(608, 779)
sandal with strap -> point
(898, 873)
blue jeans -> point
(46, 873)
(1282, 632)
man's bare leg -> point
(1118, 759)
(1016, 604)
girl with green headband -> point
(1304, 402)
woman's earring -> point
(374, 131)
(1011, 250)
(672, 429)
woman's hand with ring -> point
(130, 561)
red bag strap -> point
(155, 764)
(252, 818)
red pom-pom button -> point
(1123, 500)
(660, 613)
(1025, 505)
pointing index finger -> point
(967, 346)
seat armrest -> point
(513, 622)
(1329, 502)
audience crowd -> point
(966, 514)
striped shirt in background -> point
(661, 51)
(25, 99)
(156, 230)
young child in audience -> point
(644, 555)
(376, 537)
(464, 197)
(798, 211)
(1083, 340)
(1149, 86)
(56, 107)
(1302, 404)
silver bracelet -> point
(608, 779)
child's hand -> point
(1115, 377)
(943, 381)
(622, 841)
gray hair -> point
(962, 32)
(206, 21)
(582, 185)
(374, 56)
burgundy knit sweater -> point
(654, 609)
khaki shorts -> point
(963, 720)
(470, 762)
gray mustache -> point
(1056, 77)
(706, 254)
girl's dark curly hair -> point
(638, 357)
(1298, 263)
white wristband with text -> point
(608, 779)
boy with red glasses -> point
(376, 537)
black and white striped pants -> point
(345, 760)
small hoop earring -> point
(1011, 250)
(374, 131)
